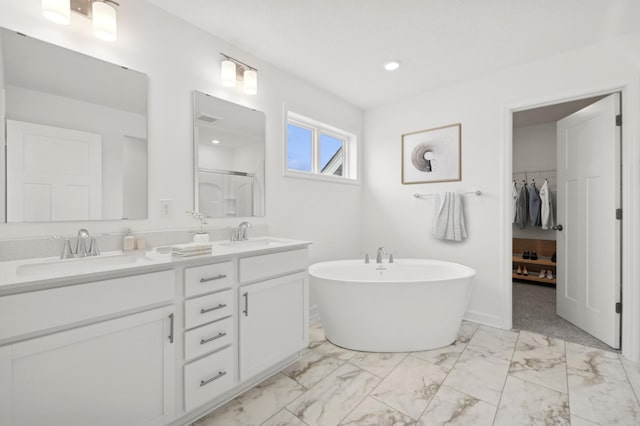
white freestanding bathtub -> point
(409, 305)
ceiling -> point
(341, 45)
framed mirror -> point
(229, 141)
(76, 135)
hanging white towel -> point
(448, 217)
(546, 208)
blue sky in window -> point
(299, 148)
(328, 147)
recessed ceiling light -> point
(391, 66)
(215, 141)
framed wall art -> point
(432, 155)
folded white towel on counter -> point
(448, 217)
(191, 249)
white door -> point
(53, 174)
(271, 322)
(117, 372)
(588, 244)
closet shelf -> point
(532, 277)
(544, 249)
(539, 261)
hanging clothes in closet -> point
(514, 193)
(522, 206)
(534, 205)
(546, 207)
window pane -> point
(299, 148)
(331, 155)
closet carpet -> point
(534, 309)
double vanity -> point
(145, 338)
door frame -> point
(630, 180)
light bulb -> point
(105, 26)
(228, 73)
(250, 82)
(58, 11)
(391, 66)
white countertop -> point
(36, 274)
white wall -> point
(179, 58)
(395, 219)
(534, 150)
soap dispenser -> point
(129, 242)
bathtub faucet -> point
(381, 253)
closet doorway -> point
(566, 263)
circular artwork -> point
(423, 158)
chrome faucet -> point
(82, 248)
(381, 253)
(240, 233)
(81, 243)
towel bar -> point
(477, 193)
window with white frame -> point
(317, 150)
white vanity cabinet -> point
(274, 311)
(209, 337)
(162, 345)
(114, 368)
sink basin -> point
(83, 264)
(256, 243)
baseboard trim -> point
(483, 318)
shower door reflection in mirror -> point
(229, 158)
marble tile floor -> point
(486, 377)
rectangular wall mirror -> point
(75, 132)
(229, 143)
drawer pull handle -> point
(171, 328)
(217, 277)
(216, 377)
(211, 339)
(215, 308)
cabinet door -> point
(118, 372)
(273, 319)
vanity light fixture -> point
(392, 66)
(102, 12)
(233, 70)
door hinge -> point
(619, 120)
(618, 308)
(619, 214)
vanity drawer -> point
(208, 378)
(45, 309)
(204, 309)
(207, 278)
(269, 265)
(208, 338)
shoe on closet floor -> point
(524, 271)
(542, 273)
(549, 275)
